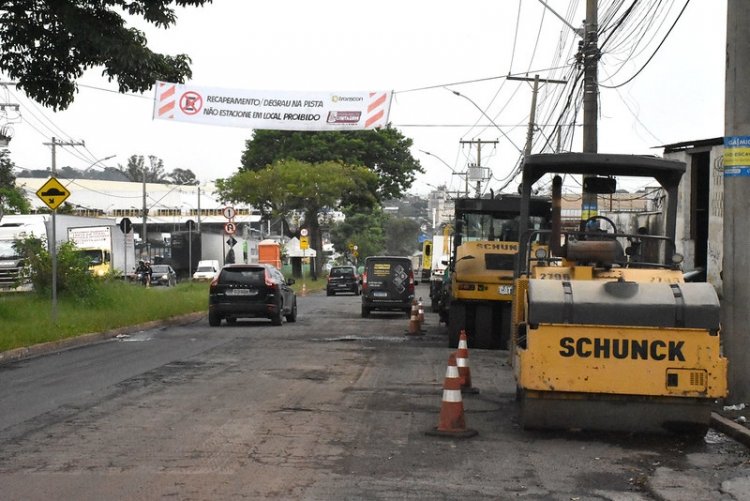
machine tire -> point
(214, 320)
(365, 311)
(457, 321)
(434, 305)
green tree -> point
(47, 44)
(183, 176)
(365, 230)
(290, 187)
(401, 236)
(12, 199)
(385, 151)
(136, 166)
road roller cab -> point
(607, 335)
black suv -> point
(343, 279)
(251, 290)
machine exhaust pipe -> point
(555, 247)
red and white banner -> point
(274, 110)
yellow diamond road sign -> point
(53, 193)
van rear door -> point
(388, 279)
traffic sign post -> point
(125, 226)
(52, 193)
(229, 212)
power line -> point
(653, 54)
(476, 80)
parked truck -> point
(438, 263)
(20, 226)
(106, 247)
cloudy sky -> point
(422, 51)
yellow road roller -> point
(606, 333)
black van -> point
(387, 284)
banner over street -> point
(272, 110)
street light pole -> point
(465, 174)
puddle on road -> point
(399, 339)
(138, 337)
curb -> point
(84, 339)
(728, 427)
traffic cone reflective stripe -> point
(420, 309)
(452, 422)
(462, 361)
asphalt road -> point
(331, 407)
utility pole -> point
(590, 79)
(479, 144)
(52, 244)
(532, 113)
(144, 227)
(590, 52)
(736, 267)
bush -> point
(73, 276)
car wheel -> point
(365, 311)
(292, 317)
(329, 293)
(278, 317)
(214, 320)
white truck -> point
(106, 247)
(440, 257)
(19, 226)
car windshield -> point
(204, 269)
(342, 272)
(244, 276)
(160, 269)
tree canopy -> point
(46, 45)
(292, 186)
(12, 199)
(289, 188)
(384, 151)
(136, 168)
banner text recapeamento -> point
(273, 110)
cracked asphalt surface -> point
(331, 407)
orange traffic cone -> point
(303, 292)
(414, 329)
(420, 308)
(462, 361)
(452, 422)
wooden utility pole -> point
(736, 267)
(590, 49)
(532, 113)
(52, 244)
(479, 144)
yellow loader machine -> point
(607, 335)
(479, 281)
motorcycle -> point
(143, 278)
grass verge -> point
(27, 318)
